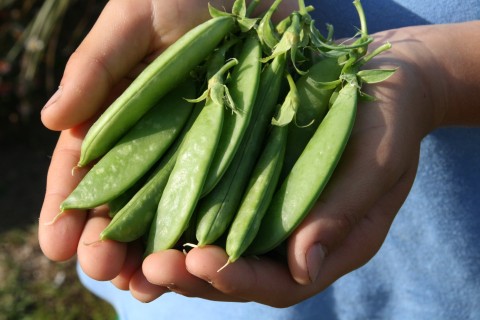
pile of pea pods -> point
(230, 135)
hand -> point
(350, 221)
(127, 35)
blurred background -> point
(36, 39)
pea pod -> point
(310, 174)
(165, 73)
(314, 98)
(116, 204)
(138, 151)
(134, 218)
(186, 181)
(215, 211)
(243, 87)
(258, 195)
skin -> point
(436, 85)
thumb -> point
(352, 217)
(112, 49)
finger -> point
(143, 290)
(250, 279)
(126, 37)
(114, 46)
(369, 169)
(59, 239)
(100, 259)
(168, 269)
(367, 237)
(133, 262)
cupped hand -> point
(343, 231)
(349, 222)
(126, 37)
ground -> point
(32, 286)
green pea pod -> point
(258, 194)
(166, 72)
(188, 176)
(215, 211)
(134, 218)
(313, 105)
(310, 174)
(116, 204)
(138, 151)
(243, 86)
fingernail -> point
(314, 260)
(54, 98)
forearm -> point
(446, 60)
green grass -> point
(33, 287)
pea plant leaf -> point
(375, 75)
(246, 24)
(288, 109)
(239, 8)
(325, 85)
(215, 13)
(267, 33)
(289, 40)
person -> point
(397, 238)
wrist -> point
(447, 67)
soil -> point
(25, 157)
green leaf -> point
(326, 85)
(246, 24)
(375, 75)
(366, 97)
(239, 8)
(286, 113)
(289, 39)
(215, 13)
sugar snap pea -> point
(243, 87)
(167, 71)
(116, 204)
(314, 99)
(263, 180)
(186, 181)
(138, 151)
(133, 219)
(258, 194)
(310, 174)
(215, 211)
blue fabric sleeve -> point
(389, 14)
(429, 265)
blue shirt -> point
(429, 264)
